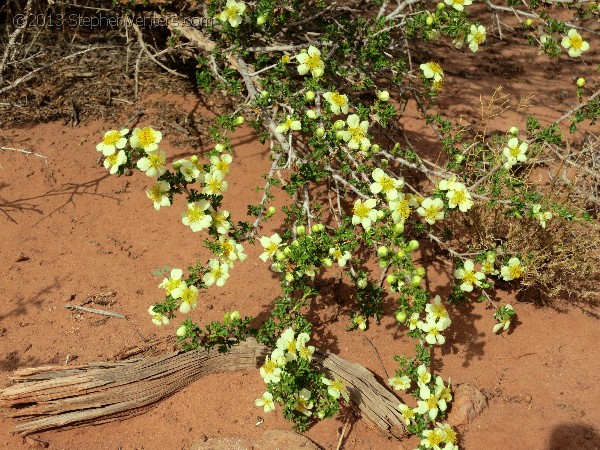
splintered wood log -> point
(50, 397)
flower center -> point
(189, 296)
(172, 285)
(231, 11)
(470, 277)
(435, 67)
(314, 61)
(478, 37)
(291, 347)
(440, 311)
(515, 151)
(272, 247)
(435, 438)
(387, 184)
(156, 193)
(361, 210)
(515, 271)
(408, 413)
(215, 185)
(146, 137)
(459, 197)
(432, 402)
(222, 166)
(576, 42)
(112, 159)
(156, 160)
(269, 366)
(404, 209)
(112, 138)
(431, 212)
(195, 214)
(337, 253)
(227, 249)
(338, 99)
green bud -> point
(420, 271)
(264, 94)
(194, 159)
(320, 132)
(580, 82)
(327, 262)
(295, 243)
(339, 135)
(181, 331)
(289, 277)
(260, 20)
(514, 131)
(287, 251)
(401, 316)
(413, 245)
(271, 210)
(384, 96)
(429, 20)
(528, 22)
(401, 253)
(441, 6)
(219, 147)
(398, 229)
(176, 165)
(415, 281)
(311, 114)
(280, 256)
(361, 283)
(380, 214)
(339, 124)
(391, 278)
(365, 147)
(235, 315)
(375, 148)
(300, 230)
(238, 121)
(382, 252)
(309, 96)
(383, 263)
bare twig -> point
(27, 152)
(33, 72)
(12, 40)
(96, 311)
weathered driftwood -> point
(54, 396)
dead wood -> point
(49, 397)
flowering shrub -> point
(360, 194)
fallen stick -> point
(50, 397)
(96, 311)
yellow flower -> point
(337, 102)
(146, 138)
(458, 5)
(196, 216)
(311, 61)
(432, 70)
(189, 299)
(232, 13)
(154, 164)
(476, 37)
(158, 318)
(113, 140)
(432, 210)
(575, 43)
(158, 193)
(115, 160)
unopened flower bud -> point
(260, 20)
(384, 96)
(300, 230)
(580, 82)
(238, 120)
(311, 114)
(309, 96)
(319, 132)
